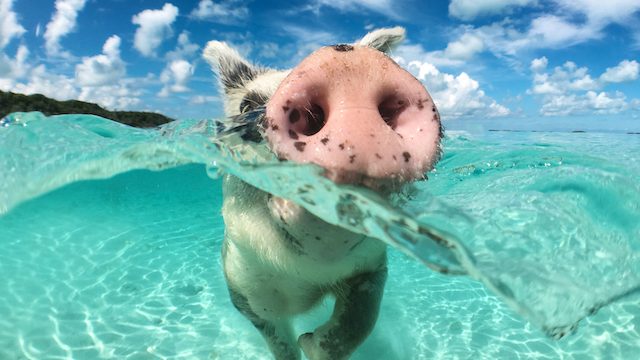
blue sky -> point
(538, 64)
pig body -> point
(279, 260)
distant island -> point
(11, 102)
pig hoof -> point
(312, 349)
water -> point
(545, 224)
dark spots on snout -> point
(342, 47)
(270, 123)
(300, 145)
(293, 134)
(324, 140)
(421, 103)
(341, 146)
(352, 158)
(378, 156)
(394, 157)
(406, 156)
(294, 116)
(285, 108)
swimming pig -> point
(352, 110)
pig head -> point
(356, 113)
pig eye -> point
(251, 101)
(308, 121)
(390, 110)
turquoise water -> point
(545, 225)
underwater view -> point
(129, 266)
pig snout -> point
(356, 113)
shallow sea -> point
(128, 267)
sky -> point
(517, 64)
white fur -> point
(257, 255)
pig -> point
(352, 110)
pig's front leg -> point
(354, 316)
(278, 334)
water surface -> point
(544, 224)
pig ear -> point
(384, 40)
(232, 69)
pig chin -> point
(383, 186)
(310, 235)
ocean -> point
(111, 240)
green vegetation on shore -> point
(11, 102)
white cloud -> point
(570, 90)
(505, 40)
(175, 77)
(470, 9)
(625, 71)
(103, 69)
(457, 52)
(548, 31)
(203, 99)
(178, 70)
(307, 40)
(600, 13)
(465, 47)
(567, 77)
(11, 69)
(51, 85)
(568, 23)
(62, 23)
(554, 31)
(225, 12)
(184, 49)
(269, 50)
(590, 102)
(455, 96)
(117, 96)
(537, 65)
(154, 28)
(387, 8)
(123, 95)
(9, 26)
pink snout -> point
(355, 112)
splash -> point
(550, 227)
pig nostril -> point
(307, 121)
(390, 110)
